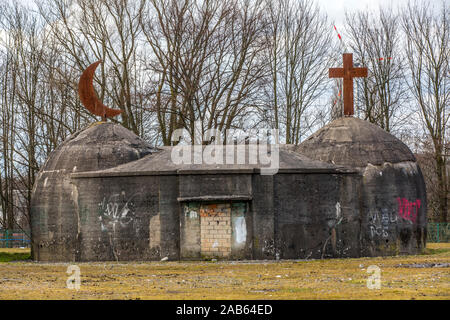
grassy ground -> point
(402, 277)
(14, 254)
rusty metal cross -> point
(348, 73)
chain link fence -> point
(14, 239)
(438, 232)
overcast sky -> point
(336, 8)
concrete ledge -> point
(217, 198)
(106, 174)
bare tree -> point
(337, 101)
(428, 57)
(298, 57)
(376, 41)
(24, 50)
(107, 30)
(207, 64)
(8, 119)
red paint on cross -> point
(348, 72)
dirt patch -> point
(303, 279)
(424, 265)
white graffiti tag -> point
(114, 211)
(379, 223)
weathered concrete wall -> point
(395, 203)
(287, 216)
(291, 216)
(241, 231)
(262, 207)
(115, 220)
(54, 213)
(316, 215)
(128, 218)
(190, 234)
(215, 186)
(170, 211)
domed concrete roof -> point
(354, 142)
(102, 145)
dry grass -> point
(312, 279)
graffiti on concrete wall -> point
(379, 222)
(408, 210)
(114, 211)
(269, 248)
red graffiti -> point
(408, 210)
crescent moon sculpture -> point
(88, 96)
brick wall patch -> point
(215, 230)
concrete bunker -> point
(138, 205)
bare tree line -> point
(428, 56)
(225, 63)
(375, 39)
